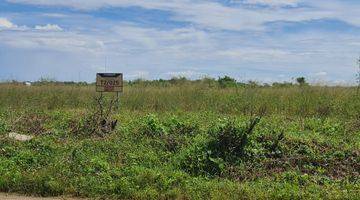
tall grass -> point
(290, 101)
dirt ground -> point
(4, 196)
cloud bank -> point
(254, 39)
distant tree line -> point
(43, 81)
(221, 82)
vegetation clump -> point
(230, 141)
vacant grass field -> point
(187, 141)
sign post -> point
(110, 82)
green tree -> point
(301, 81)
(178, 80)
(227, 81)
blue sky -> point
(263, 40)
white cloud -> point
(256, 54)
(190, 74)
(55, 41)
(191, 51)
(214, 15)
(55, 15)
(96, 4)
(139, 74)
(272, 2)
(48, 27)
(199, 47)
(6, 24)
(319, 74)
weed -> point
(153, 127)
(230, 141)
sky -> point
(260, 40)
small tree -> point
(227, 81)
(301, 81)
(179, 80)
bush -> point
(197, 159)
(172, 133)
(301, 81)
(184, 128)
(93, 124)
(227, 81)
(226, 146)
(230, 140)
(152, 126)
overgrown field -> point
(189, 141)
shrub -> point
(93, 124)
(227, 81)
(152, 126)
(179, 127)
(301, 81)
(230, 140)
(225, 146)
(197, 159)
(272, 144)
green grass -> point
(290, 101)
(184, 142)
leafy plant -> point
(230, 141)
(225, 146)
(198, 159)
(152, 126)
(180, 127)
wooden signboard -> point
(109, 82)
